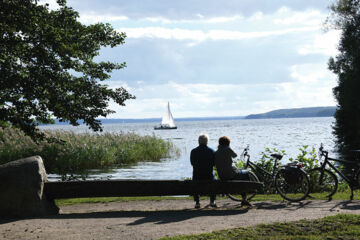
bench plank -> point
(119, 188)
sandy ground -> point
(155, 219)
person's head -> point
(224, 141)
(203, 139)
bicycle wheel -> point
(249, 196)
(322, 182)
(293, 192)
(357, 178)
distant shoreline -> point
(296, 113)
(281, 113)
(156, 120)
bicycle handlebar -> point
(245, 154)
(322, 152)
(245, 151)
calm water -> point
(286, 134)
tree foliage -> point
(48, 67)
(346, 65)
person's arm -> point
(233, 154)
(192, 160)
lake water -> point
(287, 134)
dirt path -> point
(155, 219)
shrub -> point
(309, 159)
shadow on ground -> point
(282, 205)
(157, 217)
(348, 205)
(226, 209)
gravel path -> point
(155, 219)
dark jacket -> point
(202, 160)
(223, 162)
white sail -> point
(167, 119)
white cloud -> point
(306, 95)
(119, 84)
(289, 17)
(241, 62)
(158, 19)
(184, 100)
(199, 15)
(283, 17)
(164, 33)
(325, 43)
(235, 27)
(203, 100)
(224, 19)
(312, 86)
(310, 73)
(256, 17)
(198, 19)
(237, 35)
(189, 9)
(200, 35)
(52, 4)
(88, 17)
(93, 17)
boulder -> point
(21, 189)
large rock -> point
(21, 189)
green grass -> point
(342, 226)
(340, 195)
(258, 198)
(72, 201)
(81, 152)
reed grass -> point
(75, 153)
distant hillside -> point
(296, 113)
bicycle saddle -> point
(277, 155)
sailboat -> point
(167, 121)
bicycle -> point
(325, 181)
(253, 178)
(290, 181)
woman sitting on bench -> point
(223, 163)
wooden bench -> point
(119, 188)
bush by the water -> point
(74, 153)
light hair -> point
(203, 139)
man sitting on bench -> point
(202, 160)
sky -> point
(212, 58)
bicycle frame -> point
(326, 162)
(274, 181)
(259, 171)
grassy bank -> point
(344, 195)
(342, 226)
(73, 201)
(80, 152)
